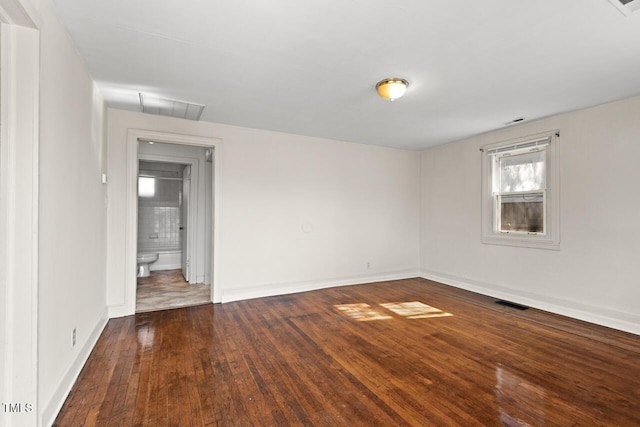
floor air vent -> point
(512, 304)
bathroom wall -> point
(159, 218)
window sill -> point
(521, 240)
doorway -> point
(195, 172)
(174, 184)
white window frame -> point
(549, 238)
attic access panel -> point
(626, 7)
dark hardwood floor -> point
(432, 355)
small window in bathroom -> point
(146, 187)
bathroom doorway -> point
(174, 226)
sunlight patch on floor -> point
(411, 310)
(361, 312)
(415, 310)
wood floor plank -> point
(350, 356)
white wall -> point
(72, 227)
(297, 212)
(595, 274)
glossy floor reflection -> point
(167, 289)
(299, 359)
(520, 402)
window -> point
(146, 186)
(520, 192)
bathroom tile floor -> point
(167, 289)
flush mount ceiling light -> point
(170, 107)
(392, 88)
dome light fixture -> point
(392, 88)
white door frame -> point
(130, 252)
(193, 198)
(187, 212)
(19, 141)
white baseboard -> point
(52, 408)
(600, 316)
(271, 289)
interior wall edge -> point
(50, 411)
(19, 219)
(626, 322)
(118, 310)
(276, 289)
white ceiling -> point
(309, 67)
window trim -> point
(550, 239)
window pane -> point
(522, 212)
(146, 187)
(523, 172)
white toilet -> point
(145, 259)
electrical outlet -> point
(368, 265)
(73, 338)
